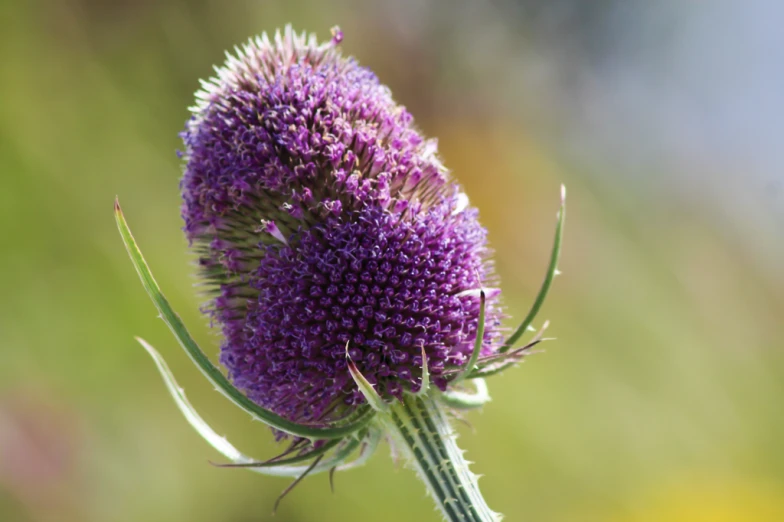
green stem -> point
(422, 431)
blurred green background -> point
(661, 400)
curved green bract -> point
(463, 400)
(371, 395)
(480, 334)
(280, 468)
(552, 270)
(223, 446)
(371, 443)
(425, 386)
(337, 459)
(488, 371)
(209, 370)
(326, 463)
(325, 448)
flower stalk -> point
(421, 430)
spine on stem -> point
(422, 431)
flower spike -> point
(381, 244)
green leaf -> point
(209, 370)
(552, 271)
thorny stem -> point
(421, 429)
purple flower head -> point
(325, 223)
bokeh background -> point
(661, 400)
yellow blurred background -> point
(661, 400)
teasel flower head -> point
(346, 270)
(324, 219)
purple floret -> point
(323, 220)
